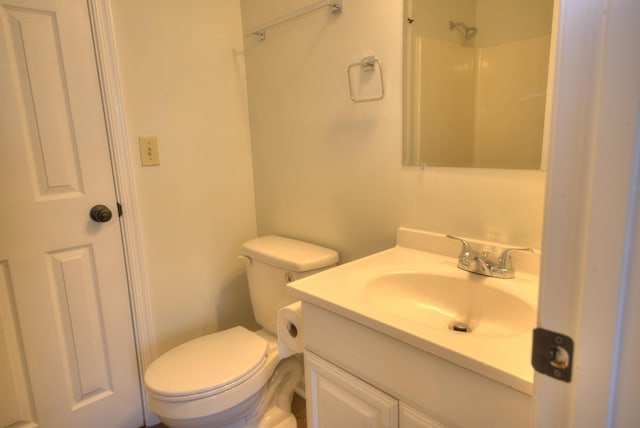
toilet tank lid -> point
(289, 254)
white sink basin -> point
(444, 302)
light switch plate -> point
(149, 151)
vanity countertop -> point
(505, 358)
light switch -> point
(149, 150)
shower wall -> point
(510, 95)
(445, 79)
(481, 102)
(511, 57)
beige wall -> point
(330, 171)
(182, 73)
(326, 170)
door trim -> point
(588, 230)
(122, 165)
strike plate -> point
(552, 354)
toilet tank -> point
(272, 262)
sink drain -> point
(460, 326)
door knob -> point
(100, 214)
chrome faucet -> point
(483, 263)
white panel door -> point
(336, 399)
(67, 356)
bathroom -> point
(269, 142)
(350, 190)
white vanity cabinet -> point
(359, 377)
(412, 418)
(337, 399)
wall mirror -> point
(475, 82)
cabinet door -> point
(412, 418)
(337, 399)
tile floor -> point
(298, 408)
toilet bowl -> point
(225, 371)
(236, 378)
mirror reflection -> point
(475, 82)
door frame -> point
(124, 180)
(589, 247)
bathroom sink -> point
(462, 305)
(414, 293)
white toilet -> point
(236, 378)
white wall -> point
(330, 171)
(182, 70)
(326, 170)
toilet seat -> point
(208, 366)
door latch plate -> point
(552, 354)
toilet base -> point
(274, 418)
(268, 408)
(278, 418)
(231, 418)
(290, 422)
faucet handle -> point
(504, 261)
(466, 254)
(465, 245)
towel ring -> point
(368, 64)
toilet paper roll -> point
(290, 330)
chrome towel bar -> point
(260, 31)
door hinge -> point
(552, 354)
(119, 209)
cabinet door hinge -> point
(552, 354)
